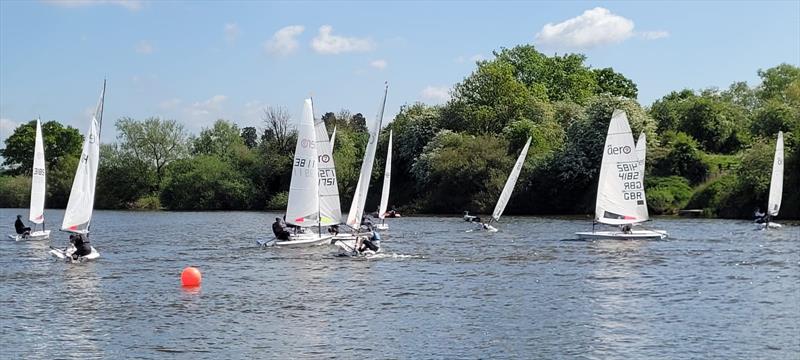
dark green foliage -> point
(59, 142)
(122, 179)
(205, 182)
(614, 83)
(682, 159)
(15, 192)
(667, 195)
(777, 81)
(716, 125)
(250, 137)
(775, 116)
(711, 196)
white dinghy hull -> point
(619, 235)
(66, 255)
(772, 225)
(299, 240)
(34, 236)
(347, 248)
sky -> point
(199, 61)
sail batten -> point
(303, 207)
(387, 178)
(78, 215)
(38, 179)
(776, 182)
(620, 190)
(360, 196)
(505, 195)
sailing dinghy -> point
(78, 215)
(775, 186)
(507, 189)
(344, 241)
(387, 178)
(36, 215)
(620, 190)
(306, 208)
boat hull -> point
(382, 226)
(66, 255)
(772, 225)
(299, 240)
(34, 236)
(619, 235)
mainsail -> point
(510, 183)
(360, 196)
(38, 179)
(641, 154)
(776, 183)
(303, 207)
(329, 207)
(78, 214)
(387, 178)
(620, 191)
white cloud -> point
(214, 104)
(232, 32)
(595, 27)
(379, 64)
(326, 43)
(170, 104)
(438, 94)
(7, 127)
(284, 41)
(132, 5)
(653, 35)
(144, 47)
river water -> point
(715, 289)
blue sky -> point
(199, 61)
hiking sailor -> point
(21, 228)
(279, 229)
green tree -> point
(154, 141)
(683, 159)
(614, 83)
(250, 136)
(716, 125)
(122, 178)
(775, 116)
(205, 183)
(15, 192)
(777, 80)
(221, 139)
(668, 110)
(59, 142)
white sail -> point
(360, 196)
(387, 178)
(641, 154)
(510, 183)
(78, 214)
(620, 191)
(303, 207)
(38, 179)
(776, 183)
(329, 207)
(333, 138)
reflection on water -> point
(716, 289)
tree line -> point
(708, 149)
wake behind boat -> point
(620, 191)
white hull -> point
(299, 240)
(619, 235)
(67, 254)
(382, 226)
(772, 225)
(34, 236)
(347, 247)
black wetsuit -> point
(280, 231)
(20, 227)
(82, 247)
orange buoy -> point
(191, 276)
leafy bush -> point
(148, 202)
(278, 201)
(205, 182)
(682, 159)
(667, 195)
(15, 191)
(713, 194)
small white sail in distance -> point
(329, 208)
(303, 205)
(387, 179)
(78, 215)
(510, 183)
(360, 196)
(776, 182)
(620, 191)
(38, 178)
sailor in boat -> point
(333, 230)
(626, 229)
(280, 230)
(21, 228)
(761, 217)
(366, 222)
(82, 247)
(372, 243)
(392, 213)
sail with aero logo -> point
(303, 205)
(620, 190)
(329, 207)
(776, 182)
(78, 215)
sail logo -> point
(305, 143)
(617, 150)
(324, 158)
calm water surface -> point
(716, 289)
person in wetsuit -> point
(372, 243)
(20, 227)
(279, 229)
(82, 247)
